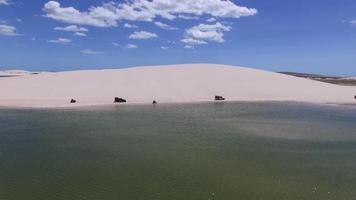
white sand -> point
(166, 84)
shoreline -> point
(116, 105)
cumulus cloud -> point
(4, 2)
(164, 48)
(102, 16)
(165, 26)
(80, 34)
(189, 17)
(7, 30)
(204, 33)
(78, 31)
(90, 52)
(110, 13)
(60, 41)
(131, 46)
(192, 41)
(126, 25)
(71, 28)
(142, 35)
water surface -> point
(249, 151)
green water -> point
(247, 151)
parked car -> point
(119, 100)
(219, 98)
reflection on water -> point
(198, 151)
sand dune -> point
(166, 84)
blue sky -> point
(317, 36)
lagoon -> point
(223, 151)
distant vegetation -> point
(348, 81)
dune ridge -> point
(166, 84)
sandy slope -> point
(175, 83)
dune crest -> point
(166, 84)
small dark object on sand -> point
(119, 100)
(355, 96)
(219, 98)
(154, 102)
(73, 101)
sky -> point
(312, 36)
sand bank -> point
(166, 84)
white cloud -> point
(60, 41)
(171, 41)
(164, 48)
(110, 13)
(171, 9)
(204, 33)
(353, 22)
(212, 19)
(4, 2)
(80, 34)
(193, 41)
(165, 26)
(115, 44)
(189, 17)
(7, 30)
(102, 16)
(131, 46)
(78, 31)
(126, 25)
(189, 47)
(90, 52)
(141, 35)
(71, 28)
